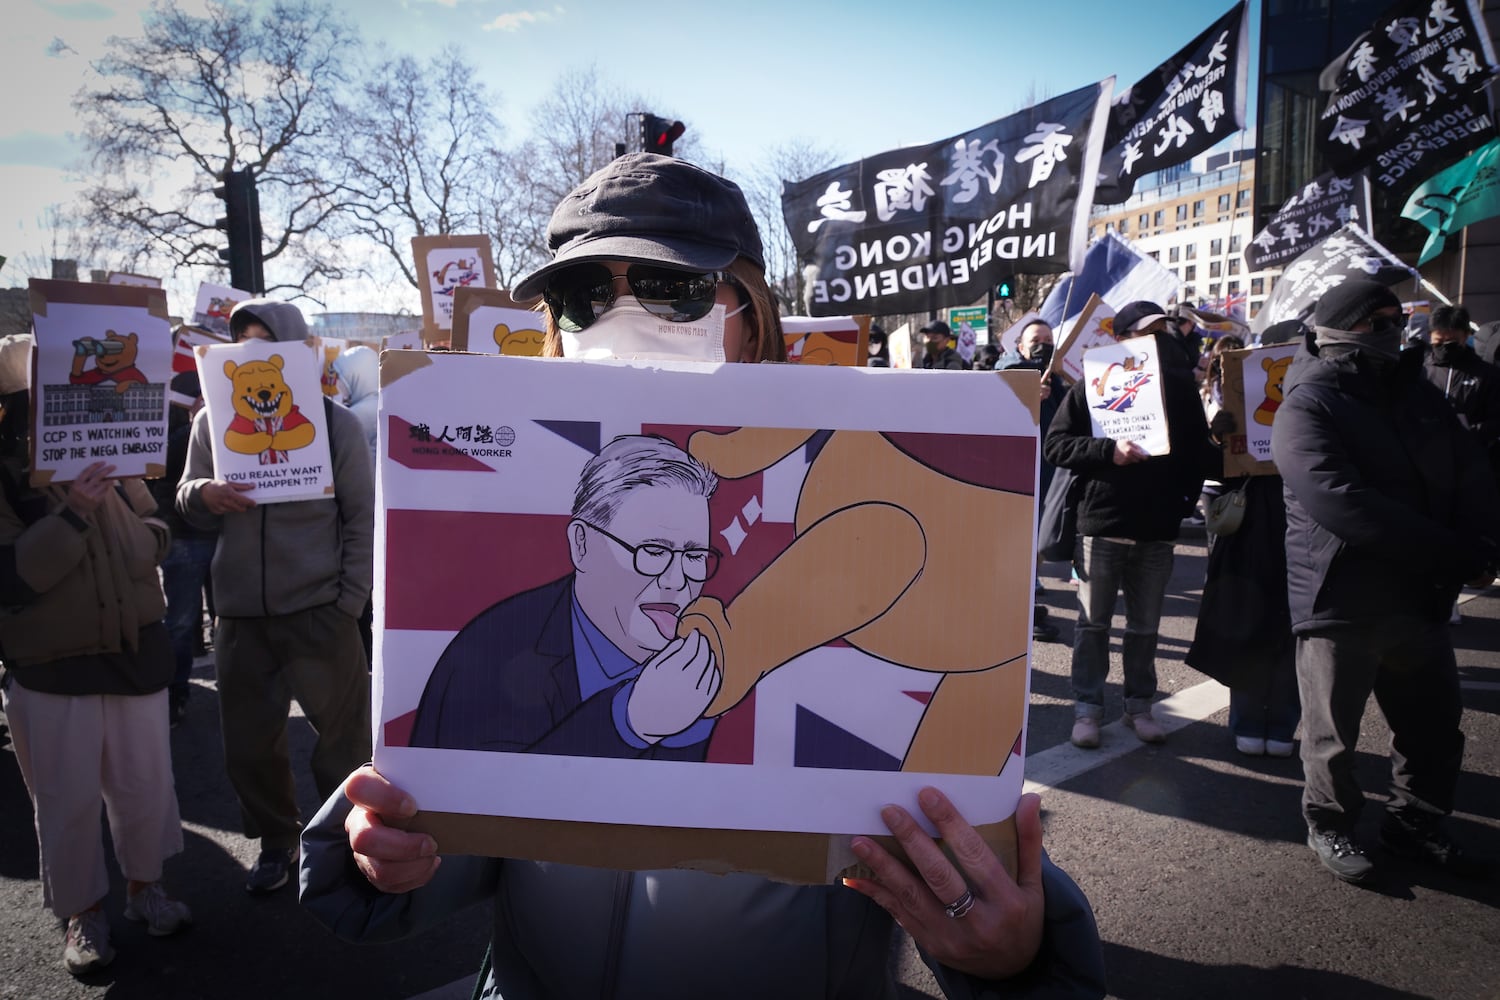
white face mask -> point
(627, 331)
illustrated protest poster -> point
(752, 659)
(1122, 384)
(972, 327)
(100, 370)
(213, 306)
(329, 375)
(183, 358)
(139, 280)
(489, 321)
(1094, 327)
(444, 265)
(1253, 381)
(266, 417)
(899, 343)
(827, 340)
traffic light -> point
(241, 223)
(1006, 289)
(658, 134)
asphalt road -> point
(1193, 858)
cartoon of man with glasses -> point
(590, 665)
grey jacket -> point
(565, 932)
(281, 558)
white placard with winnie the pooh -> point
(268, 423)
(1253, 382)
(102, 363)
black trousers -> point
(1410, 668)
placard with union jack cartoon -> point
(700, 598)
(1122, 384)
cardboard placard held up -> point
(1123, 390)
(444, 265)
(139, 280)
(807, 714)
(489, 321)
(267, 423)
(1094, 327)
(214, 304)
(827, 340)
(100, 368)
(1253, 380)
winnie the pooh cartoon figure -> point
(266, 421)
(1276, 369)
(520, 342)
(114, 361)
(893, 512)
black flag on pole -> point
(1348, 253)
(925, 227)
(1408, 94)
(1325, 204)
(1187, 105)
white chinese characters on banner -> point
(267, 422)
(1122, 385)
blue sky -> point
(857, 77)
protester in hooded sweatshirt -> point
(687, 237)
(290, 581)
(87, 661)
(358, 370)
(1389, 509)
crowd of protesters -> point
(1377, 543)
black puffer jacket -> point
(1145, 501)
(1472, 387)
(1389, 505)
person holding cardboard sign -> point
(680, 243)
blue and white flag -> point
(1115, 271)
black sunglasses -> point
(579, 295)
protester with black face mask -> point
(1034, 351)
(1390, 510)
(1471, 385)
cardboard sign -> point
(444, 265)
(827, 340)
(100, 369)
(329, 375)
(406, 340)
(138, 280)
(489, 321)
(266, 418)
(1094, 327)
(833, 531)
(1123, 390)
(1253, 381)
(899, 343)
(213, 306)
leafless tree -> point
(239, 86)
(419, 153)
(794, 160)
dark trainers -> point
(1339, 854)
(86, 947)
(1426, 840)
(272, 871)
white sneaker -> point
(1457, 617)
(161, 914)
(1251, 746)
(1280, 748)
(86, 947)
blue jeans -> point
(1104, 568)
(184, 572)
(1269, 709)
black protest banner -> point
(1325, 204)
(1407, 95)
(1348, 253)
(927, 227)
(1184, 107)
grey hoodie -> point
(359, 369)
(280, 558)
